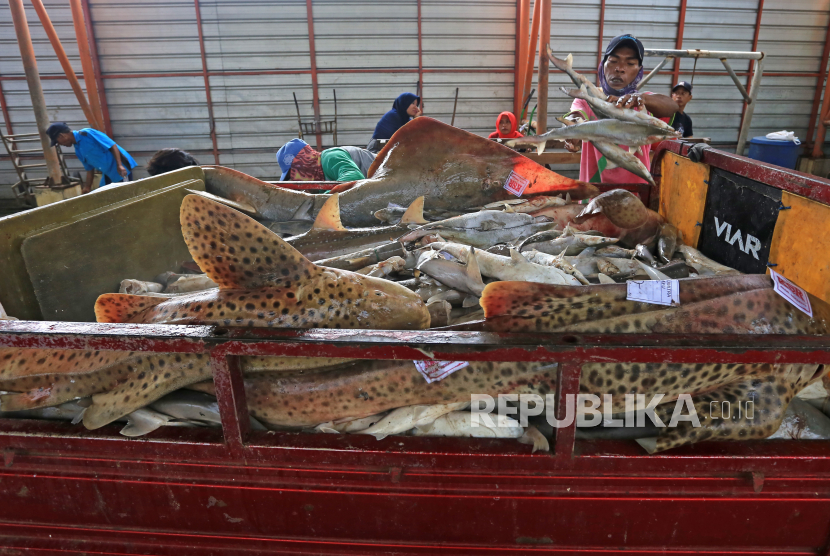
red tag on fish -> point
(792, 293)
(516, 184)
(433, 371)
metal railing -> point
(723, 55)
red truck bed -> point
(183, 491)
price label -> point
(516, 184)
(792, 293)
(433, 371)
(659, 292)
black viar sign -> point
(738, 222)
(750, 244)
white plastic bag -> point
(784, 136)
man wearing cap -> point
(299, 162)
(96, 151)
(682, 94)
(618, 75)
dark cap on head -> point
(625, 40)
(685, 84)
(56, 129)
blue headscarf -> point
(393, 120)
(629, 89)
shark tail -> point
(771, 392)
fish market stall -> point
(520, 312)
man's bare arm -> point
(117, 154)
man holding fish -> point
(620, 72)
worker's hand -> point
(573, 147)
(419, 113)
(634, 100)
(123, 172)
(85, 189)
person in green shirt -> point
(299, 162)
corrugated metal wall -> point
(258, 54)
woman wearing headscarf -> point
(405, 107)
(618, 75)
(505, 127)
(299, 162)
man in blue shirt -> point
(96, 151)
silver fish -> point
(610, 131)
(624, 159)
(610, 110)
(514, 267)
(482, 229)
(579, 80)
(447, 270)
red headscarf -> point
(306, 166)
(513, 128)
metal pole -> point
(313, 55)
(208, 99)
(531, 50)
(64, 61)
(736, 80)
(681, 26)
(96, 66)
(822, 124)
(759, 15)
(522, 31)
(652, 73)
(544, 39)
(5, 109)
(455, 104)
(735, 55)
(750, 107)
(818, 112)
(27, 53)
(420, 59)
(86, 61)
(601, 31)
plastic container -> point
(780, 153)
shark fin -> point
(540, 147)
(472, 269)
(328, 218)
(123, 307)
(236, 251)
(517, 257)
(569, 60)
(605, 279)
(415, 213)
(143, 421)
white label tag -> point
(659, 292)
(792, 293)
(433, 371)
(516, 184)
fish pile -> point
(617, 126)
(424, 243)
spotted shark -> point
(262, 281)
(369, 387)
(743, 304)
